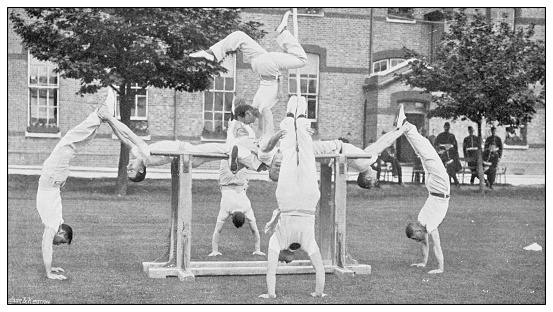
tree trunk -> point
(122, 171)
(126, 100)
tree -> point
(124, 47)
(483, 71)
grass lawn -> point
(482, 238)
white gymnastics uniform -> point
(267, 65)
(233, 193)
(55, 170)
(297, 192)
(437, 182)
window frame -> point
(396, 59)
(393, 18)
(385, 61)
(388, 62)
(136, 97)
(35, 63)
(139, 125)
(292, 80)
(521, 131)
(147, 104)
(223, 112)
(320, 14)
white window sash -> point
(136, 97)
(320, 14)
(223, 90)
(379, 63)
(292, 80)
(34, 67)
(136, 100)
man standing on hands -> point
(268, 65)
(297, 195)
(437, 182)
(236, 205)
(55, 171)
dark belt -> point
(269, 78)
(439, 195)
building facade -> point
(353, 55)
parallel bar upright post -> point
(184, 231)
(175, 186)
(326, 213)
(340, 191)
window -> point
(405, 15)
(218, 102)
(396, 61)
(311, 11)
(383, 65)
(139, 112)
(379, 66)
(140, 109)
(309, 84)
(515, 137)
(43, 85)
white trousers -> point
(268, 65)
(55, 170)
(298, 188)
(437, 180)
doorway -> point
(405, 152)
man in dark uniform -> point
(446, 145)
(490, 159)
(495, 140)
(470, 148)
(448, 159)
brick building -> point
(353, 55)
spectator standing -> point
(446, 145)
(470, 149)
(490, 159)
(496, 141)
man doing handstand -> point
(437, 182)
(268, 65)
(297, 195)
(55, 171)
(236, 205)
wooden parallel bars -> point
(332, 226)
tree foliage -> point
(144, 46)
(124, 47)
(483, 71)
